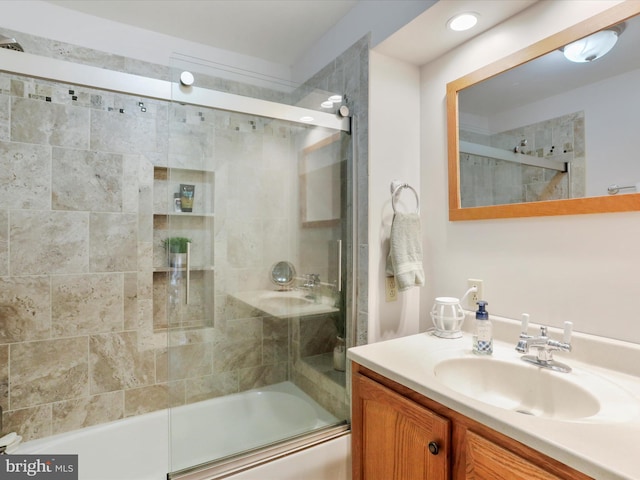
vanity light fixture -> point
(594, 46)
(462, 21)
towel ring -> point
(396, 187)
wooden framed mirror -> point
(544, 157)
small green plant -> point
(176, 244)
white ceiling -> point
(427, 36)
(281, 31)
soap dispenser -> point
(482, 331)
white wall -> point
(394, 153)
(581, 268)
(380, 17)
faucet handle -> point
(525, 323)
(568, 329)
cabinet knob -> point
(434, 448)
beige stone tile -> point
(244, 247)
(184, 361)
(30, 423)
(5, 116)
(48, 371)
(131, 311)
(47, 123)
(145, 255)
(145, 285)
(4, 242)
(117, 363)
(211, 386)
(149, 399)
(86, 304)
(114, 245)
(275, 340)
(86, 181)
(127, 132)
(25, 176)
(160, 318)
(25, 309)
(239, 346)
(146, 338)
(130, 184)
(4, 377)
(263, 375)
(317, 335)
(86, 411)
(48, 242)
(186, 336)
(145, 212)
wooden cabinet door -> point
(487, 461)
(391, 436)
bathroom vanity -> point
(425, 407)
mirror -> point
(535, 134)
(320, 183)
(283, 274)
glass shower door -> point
(250, 362)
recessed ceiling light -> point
(335, 98)
(463, 21)
(327, 104)
(306, 119)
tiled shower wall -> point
(87, 333)
(488, 181)
(77, 341)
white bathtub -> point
(138, 448)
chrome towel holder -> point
(396, 187)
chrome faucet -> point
(545, 345)
(311, 282)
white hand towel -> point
(405, 253)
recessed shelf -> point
(185, 214)
(201, 268)
(183, 169)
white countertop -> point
(286, 303)
(605, 450)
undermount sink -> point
(520, 387)
(278, 299)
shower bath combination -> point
(227, 361)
